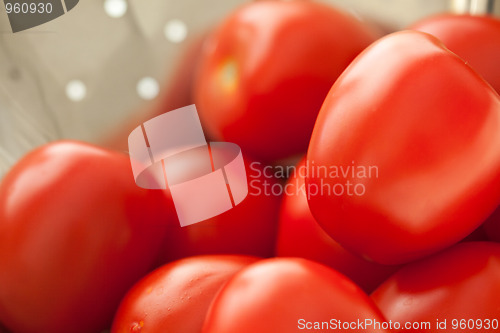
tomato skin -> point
(299, 235)
(463, 282)
(430, 126)
(477, 235)
(268, 68)
(476, 39)
(492, 226)
(271, 296)
(249, 228)
(3, 329)
(75, 234)
(176, 297)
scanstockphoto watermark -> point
(331, 180)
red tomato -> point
(289, 295)
(492, 226)
(477, 235)
(249, 228)
(405, 151)
(75, 234)
(176, 297)
(266, 70)
(459, 285)
(301, 236)
(476, 39)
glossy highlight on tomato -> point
(265, 71)
(461, 283)
(75, 234)
(475, 38)
(288, 295)
(430, 125)
(176, 296)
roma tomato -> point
(299, 235)
(290, 295)
(75, 234)
(405, 151)
(176, 297)
(476, 39)
(460, 286)
(492, 226)
(267, 68)
(249, 228)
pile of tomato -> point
(387, 221)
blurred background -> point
(96, 72)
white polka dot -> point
(175, 31)
(76, 90)
(115, 8)
(148, 88)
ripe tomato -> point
(249, 228)
(413, 133)
(176, 297)
(477, 235)
(492, 226)
(288, 295)
(265, 71)
(459, 284)
(476, 39)
(75, 234)
(300, 235)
